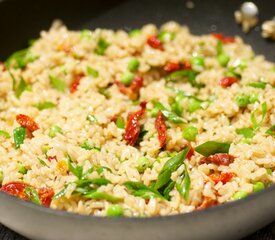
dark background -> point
(21, 20)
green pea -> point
(154, 112)
(133, 65)
(223, 59)
(242, 100)
(258, 186)
(115, 210)
(197, 61)
(165, 37)
(240, 195)
(143, 163)
(120, 123)
(54, 130)
(253, 98)
(85, 34)
(269, 171)
(127, 78)
(134, 32)
(190, 133)
(92, 72)
(23, 170)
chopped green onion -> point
(142, 164)
(23, 170)
(19, 136)
(120, 123)
(188, 75)
(219, 48)
(184, 187)
(104, 92)
(22, 86)
(256, 125)
(154, 112)
(242, 100)
(211, 147)
(5, 134)
(1, 177)
(85, 34)
(127, 78)
(190, 133)
(239, 195)
(54, 130)
(115, 210)
(231, 72)
(197, 63)
(91, 118)
(165, 36)
(260, 85)
(45, 105)
(32, 195)
(271, 131)
(269, 171)
(42, 162)
(92, 72)
(133, 65)
(134, 32)
(102, 46)
(75, 169)
(103, 196)
(258, 186)
(57, 84)
(223, 59)
(246, 132)
(20, 59)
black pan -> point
(21, 20)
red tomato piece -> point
(161, 128)
(222, 177)
(207, 202)
(154, 42)
(46, 195)
(186, 65)
(191, 152)
(132, 129)
(76, 82)
(52, 158)
(228, 81)
(219, 159)
(171, 67)
(27, 122)
(224, 39)
(16, 189)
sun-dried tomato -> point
(171, 67)
(207, 202)
(114, 118)
(46, 195)
(52, 158)
(132, 129)
(222, 177)
(27, 122)
(191, 152)
(219, 159)
(228, 81)
(154, 42)
(16, 189)
(76, 82)
(224, 39)
(131, 91)
(186, 65)
(161, 128)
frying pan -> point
(22, 20)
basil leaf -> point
(57, 84)
(19, 136)
(184, 187)
(271, 131)
(169, 167)
(75, 169)
(32, 195)
(171, 117)
(211, 147)
(103, 196)
(4, 134)
(246, 132)
(45, 105)
(20, 59)
(256, 125)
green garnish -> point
(271, 131)
(20, 59)
(87, 146)
(92, 72)
(190, 133)
(258, 186)
(103, 196)
(42, 162)
(223, 59)
(115, 210)
(85, 34)
(171, 117)
(91, 118)
(197, 63)
(133, 65)
(19, 136)
(127, 78)
(184, 187)
(246, 132)
(5, 134)
(75, 169)
(1, 177)
(257, 124)
(54, 130)
(211, 147)
(261, 85)
(45, 105)
(182, 75)
(57, 84)
(169, 167)
(242, 100)
(165, 36)
(231, 72)
(32, 195)
(194, 105)
(239, 195)
(269, 171)
(142, 164)
(219, 47)
(120, 123)
(102, 46)
(23, 170)
(134, 32)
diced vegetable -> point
(197, 63)
(27, 122)
(1, 177)
(20, 59)
(154, 42)
(102, 46)
(57, 84)
(260, 85)
(188, 75)
(19, 136)
(127, 78)
(239, 195)
(184, 187)
(103, 196)
(255, 123)
(224, 39)
(269, 171)
(271, 131)
(219, 159)
(161, 128)
(221, 177)
(115, 210)
(92, 72)
(5, 134)
(190, 133)
(258, 186)
(231, 72)
(54, 130)
(85, 34)
(134, 32)
(91, 118)
(242, 100)
(42, 162)
(165, 36)
(246, 132)
(76, 81)
(142, 164)
(23, 170)
(133, 65)
(32, 195)
(194, 105)
(75, 169)
(120, 123)
(211, 147)
(45, 105)
(223, 59)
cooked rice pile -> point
(87, 124)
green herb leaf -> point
(169, 167)
(57, 84)
(171, 117)
(103, 196)
(20, 59)
(184, 187)
(75, 169)
(271, 131)
(32, 195)
(102, 45)
(5, 134)
(85, 34)
(219, 48)
(246, 132)
(92, 72)
(256, 125)
(45, 105)
(211, 147)
(19, 136)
